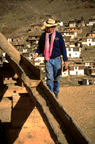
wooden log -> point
(36, 71)
(9, 49)
(8, 92)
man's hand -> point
(66, 65)
(35, 56)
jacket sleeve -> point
(40, 48)
(63, 48)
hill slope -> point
(21, 13)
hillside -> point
(16, 16)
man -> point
(51, 44)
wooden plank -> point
(9, 48)
(33, 83)
(36, 71)
(22, 75)
(9, 92)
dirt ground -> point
(79, 102)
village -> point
(77, 39)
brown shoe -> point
(56, 95)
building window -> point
(71, 68)
(76, 49)
(80, 67)
(93, 71)
(69, 49)
(76, 68)
(89, 40)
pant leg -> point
(49, 74)
(57, 74)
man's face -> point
(50, 29)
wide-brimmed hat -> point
(50, 23)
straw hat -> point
(50, 23)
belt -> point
(55, 57)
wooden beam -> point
(9, 49)
(36, 71)
(7, 92)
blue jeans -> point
(53, 72)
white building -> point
(76, 23)
(73, 52)
(91, 22)
(88, 63)
(10, 40)
(76, 69)
(90, 71)
(88, 81)
(72, 34)
(38, 60)
(72, 44)
(60, 23)
(88, 41)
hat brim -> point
(50, 25)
